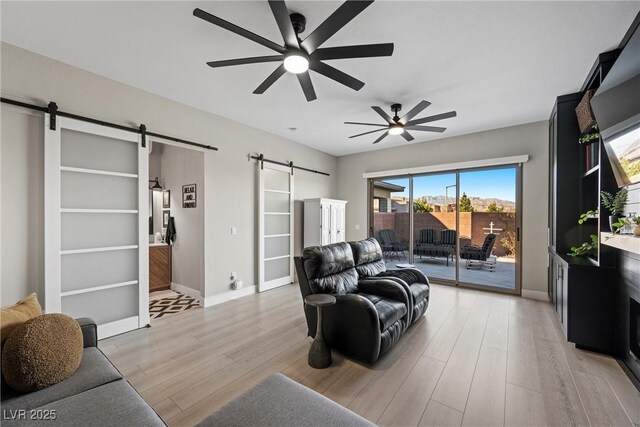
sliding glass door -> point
(459, 227)
(435, 225)
(390, 222)
(489, 211)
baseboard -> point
(540, 296)
(228, 296)
(118, 327)
(186, 291)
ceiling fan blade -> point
(432, 118)
(415, 111)
(338, 19)
(365, 124)
(238, 30)
(358, 51)
(407, 136)
(270, 80)
(335, 74)
(307, 86)
(383, 114)
(383, 136)
(281, 13)
(241, 61)
(426, 128)
(366, 133)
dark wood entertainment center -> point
(590, 294)
(580, 287)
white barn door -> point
(275, 261)
(96, 225)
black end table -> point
(319, 352)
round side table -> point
(319, 352)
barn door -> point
(275, 227)
(96, 225)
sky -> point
(498, 183)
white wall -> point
(182, 166)
(22, 206)
(531, 139)
(230, 179)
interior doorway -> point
(176, 229)
(460, 227)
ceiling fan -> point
(400, 125)
(298, 56)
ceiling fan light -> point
(395, 129)
(296, 64)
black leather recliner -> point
(369, 316)
(370, 266)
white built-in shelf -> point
(100, 211)
(98, 288)
(277, 257)
(624, 242)
(277, 213)
(104, 249)
(276, 235)
(98, 172)
(277, 191)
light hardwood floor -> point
(475, 359)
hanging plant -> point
(592, 134)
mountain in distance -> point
(479, 204)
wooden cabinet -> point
(159, 267)
(324, 221)
(583, 295)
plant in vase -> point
(636, 229)
(615, 205)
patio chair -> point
(426, 243)
(426, 237)
(390, 244)
(447, 243)
(478, 255)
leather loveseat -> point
(370, 314)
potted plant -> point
(615, 205)
(636, 229)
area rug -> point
(177, 304)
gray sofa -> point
(96, 394)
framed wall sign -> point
(166, 199)
(165, 218)
(189, 196)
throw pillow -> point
(41, 352)
(15, 315)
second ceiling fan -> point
(400, 125)
(299, 56)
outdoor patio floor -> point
(503, 276)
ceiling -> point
(496, 63)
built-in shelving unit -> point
(596, 170)
(580, 287)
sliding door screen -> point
(96, 224)
(275, 227)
